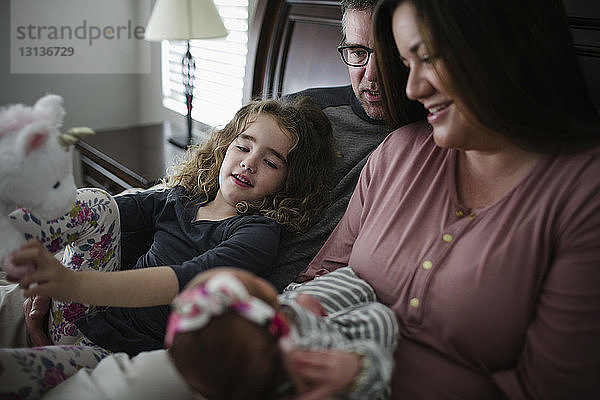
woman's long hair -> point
(511, 62)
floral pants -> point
(28, 373)
(89, 236)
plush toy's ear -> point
(51, 106)
(32, 141)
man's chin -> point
(373, 110)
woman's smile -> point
(438, 112)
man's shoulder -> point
(337, 99)
(325, 97)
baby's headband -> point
(192, 309)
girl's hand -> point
(143, 287)
(14, 273)
(49, 278)
(323, 373)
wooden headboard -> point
(292, 45)
(296, 46)
(584, 17)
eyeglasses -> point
(355, 55)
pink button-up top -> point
(497, 302)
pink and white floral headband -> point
(193, 308)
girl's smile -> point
(241, 180)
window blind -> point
(220, 68)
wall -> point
(96, 100)
(118, 100)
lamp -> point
(185, 20)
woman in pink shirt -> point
(481, 228)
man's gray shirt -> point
(356, 135)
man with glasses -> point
(356, 49)
(356, 114)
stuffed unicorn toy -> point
(35, 167)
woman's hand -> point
(49, 278)
(323, 373)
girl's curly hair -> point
(304, 192)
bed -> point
(292, 46)
(584, 18)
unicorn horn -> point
(73, 136)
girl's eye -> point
(242, 148)
(271, 164)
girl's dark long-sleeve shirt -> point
(158, 229)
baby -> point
(231, 337)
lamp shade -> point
(184, 20)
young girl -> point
(229, 326)
(224, 206)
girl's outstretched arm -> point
(132, 288)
